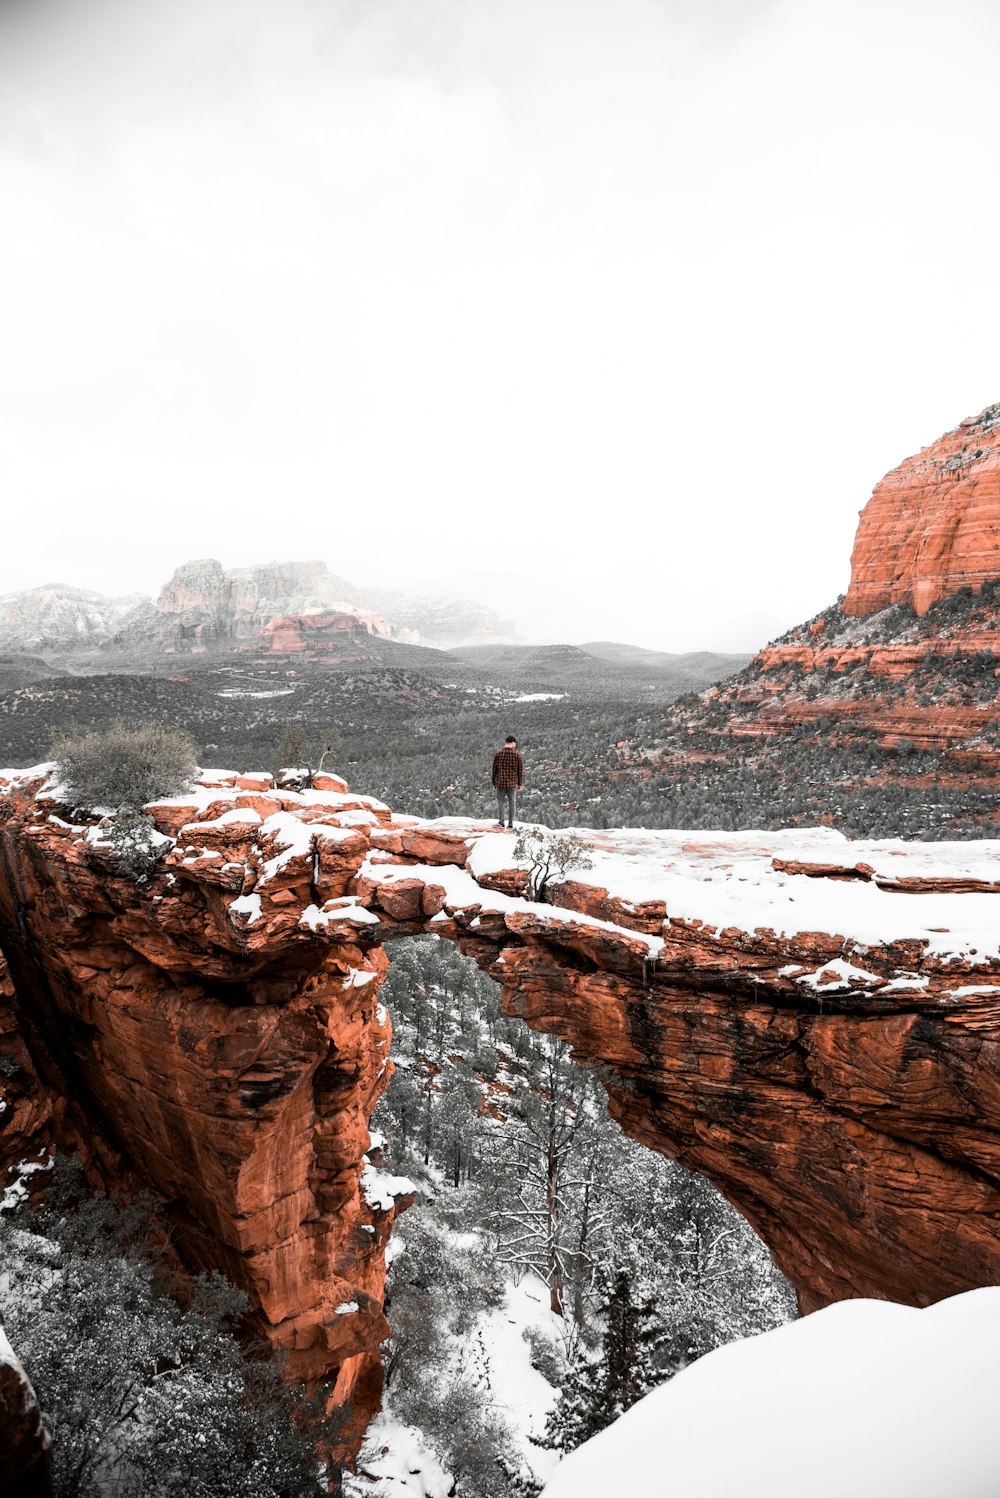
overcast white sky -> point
(610, 312)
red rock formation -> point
(931, 526)
(282, 607)
(25, 1444)
(235, 1059)
(910, 660)
(785, 1012)
(316, 634)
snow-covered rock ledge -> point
(812, 1023)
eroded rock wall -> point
(810, 1022)
(930, 527)
(235, 1078)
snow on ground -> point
(240, 692)
(501, 1359)
(396, 1462)
(462, 892)
(865, 1399)
(728, 879)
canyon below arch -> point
(810, 1022)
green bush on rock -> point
(124, 766)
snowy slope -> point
(399, 1461)
(503, 1365)
(865, 1399)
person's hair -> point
(511, 739)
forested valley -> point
(553, 1270)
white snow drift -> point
(865, 1399)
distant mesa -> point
(206, 608)
(932, 526)
(206, 587)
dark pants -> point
(506, 797)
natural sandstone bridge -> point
(811, 1023)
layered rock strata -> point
(930, 526)
(909, 660)
(812, 1023)
(233, 1066)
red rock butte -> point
(812, 1023)
(932, 526)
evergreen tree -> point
(143, 1393)
(601, 1385)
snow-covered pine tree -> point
(601, 1386)
(573, 1418)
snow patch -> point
(836, 976)
(380, 1189)
(17, 1192)
(396, 1461)
(871, 1399)
(248, 906)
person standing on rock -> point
(508, 777)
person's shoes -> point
(500, 824)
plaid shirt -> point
(508, 769)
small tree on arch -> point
(550, 856)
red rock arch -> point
(843, 1098)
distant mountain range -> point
(602, 670)
(235, 654)
(204, 607)
(206, 614)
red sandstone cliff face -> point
(234, 1069)
(911, 660)
(931, 526)
(787, 1013)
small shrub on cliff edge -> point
(125, 766)
(550, 857)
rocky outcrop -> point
(204, 608)
(57, 619)
(811, 1023)
(25, 1444)
(931, 526)
(823, 721)
(206, 588)
(234, 1065)
(275, 607)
